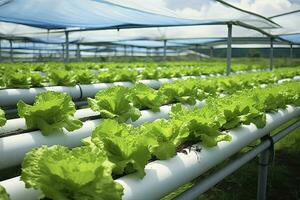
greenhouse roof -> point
(293, 38)
(85, 14)
(147, 43)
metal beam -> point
(211, 53)
(248, 12)
(11, 51)
(0, 51)
(229, 50)
(283, 14)
(63, 52)
(67, 46)
(165, 49)
(115, 51)
(78, 52)
(291, 50)
(271, 53)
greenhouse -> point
(146, 100)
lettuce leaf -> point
(84, 77)
(51, 112)
(16, 79)
(113, 103)
(36, 79)
(62, 78)
(60, 173)
(2, 118)
(3, 194)
(165, 136)
(180, 91)
(123, 146)
(144, 97)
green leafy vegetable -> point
(51, 112)
(80, 173)
(36, 79)
(3, 194)
(85, 77)
(176, 91)
(62, 77)
(123, 146)
(144, 97)
(165, 136)
(114, 103)
(16, 79)
(2, 118)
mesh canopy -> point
(147, 43)
(83, 14)
(100, 14)
(289, 24)
(114, 14)
(197, 41)
(294, 38)
(218, 11)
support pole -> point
(125, 50)
(40, 54)
(11, 51)
(291, 50)
(78, 52)
(229, 50)
(197, 50)
(211, 51)
(0, 51)
(115, 51)
(131, 51)
(67, 46)
(48, 51)
(63, 52)
(263, 174)
(271, 53)
(165, 49)
(33, 51)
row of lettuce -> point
(25, 77)
(214, 64)
(116, 149)
(53, 111)
(17, 78)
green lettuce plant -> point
(50, 112)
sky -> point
(196, 9)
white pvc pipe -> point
(92, 89)
(296, 78)
(13, 125)
(9, 97)
(164, 176)
(13, 148)
(19, 124)
(155, 84)
(150, 116)
(16, 189)
(284, 80)
(12, 96)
